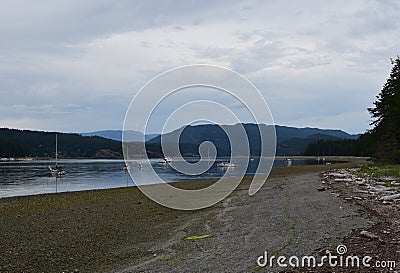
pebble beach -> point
(121, 230)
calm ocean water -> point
(33, 177)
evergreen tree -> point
(386, 115)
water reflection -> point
(33, 177)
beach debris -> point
(390, 197)
(196, 237)
(365, 185)
(361, 191)
(338, 175)
(386, 179)
(370, 235)
(343, 180)
(361, 182)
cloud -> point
(324, 60)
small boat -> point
(226, 165)
(165, 160)
(57, 170)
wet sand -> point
(121, 230)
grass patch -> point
(377, 171)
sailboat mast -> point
(56, 151)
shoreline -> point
(379, 240)
(121, 230)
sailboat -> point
(165, 160)
(57, 171)
(226, 165)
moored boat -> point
(226, 165)
(57, 170)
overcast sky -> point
(74, 66)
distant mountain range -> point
(130, 135)
(290, 140)
(107, 144)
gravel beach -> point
(121, 230)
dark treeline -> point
(383, 141)
(342, 147)
(384, 138)
(20, 143)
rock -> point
(370, 235)
(321, 189)
(390, 197)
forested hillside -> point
(384, 138)
(20, 143)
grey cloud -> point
(322, 59)
(258, 57)
(48, 25)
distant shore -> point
(11, 159)
(121, 230)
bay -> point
(20, 178)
